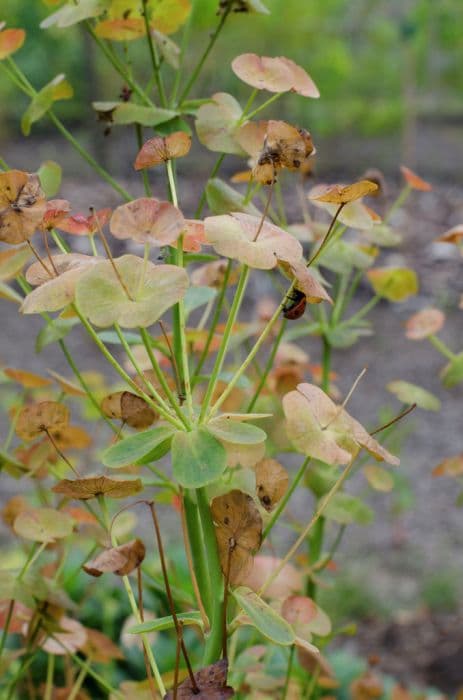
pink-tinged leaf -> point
(278, 74)
(424, 323)
(216, 123)
(56, 211)
(69, 639)
(160, 149)
(81, 225)
(238, 236)
(307, 283)
(10, 41)
(251, 137)
(288, 581)
(194, 235)
(148, 220)
(305, 616)
(415, 181)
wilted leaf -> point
(121, 560)
(160, 149)
(454, 235)
(234, 236)
(136, 447)
(147, 220)
(393, 283)
(415, 181)
(211, 681)
(41, 417)
(198, 458)
(22, 206)
(57, 89)
(263, 617)
(271, 482)
(274, 74)
(320, 429)
(130, 408)
(81, 225)
(92, 487)
(411, 393)
(284, 146)
(306, 282)
(100, 648)
(378, 478)
(153, 289)
(43, 524)
(424, 323)
(10, 41)
(216, 123)
(238, 527)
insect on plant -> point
(206, 398)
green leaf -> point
(344, 336)
(393, 283)
(198, 458)
(10, 294)
(196, 297)
(411, 393)
(57, 89)
(54, 331)
(236, 432)
(72, 13)
(11, 465)
(452, 374)
(136, 447)
(123, 113)
(263, 617)
(223, 199)
(342, 256)
(166, 623)
(345, 509)
(50, 174)
(321, 477)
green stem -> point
(265, 104)
(400, 201)
(196, 539)
(441, 347)
(96, 676)
(326, 364)
(215, 320)
(118, 66)
(202, 199)
(237, 300)
(50, 674)
(202, 60)
(315, 550)
(284, 501)
(288, 672)
(153, 56)
(78, 684)
(214, 639)
(268, 367)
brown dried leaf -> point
(367, 687)
(424, 323)
(121, 560)
(99, 648)
(238, 527)
(285, 146)
(453, 235)
(160, 149)
(22, 206)
(147, 220)
(211, 681)
(130, 408)
(92, 487)
(271, 482)
(41, 417)
(70, 638)
(338, 194)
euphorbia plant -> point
(208, 399)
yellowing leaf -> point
(237, 236)
(43, 524)
(337, 194)
(29, 380)
(92, 487)
(169, 15)
(152, 288)
(415, 181)
(274, 74)
(411, 393)
(393, 283)
(271, 482)
(57, 89)
(13, 261)
(41, 417)
(22, 206)
(378, 478)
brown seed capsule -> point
(295, 304)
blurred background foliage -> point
(383, 66)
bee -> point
(294, 305)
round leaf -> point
(274, 74)
(43, 524)
(198, 458)
(147, 220)
(411, 393)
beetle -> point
(294, 305)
